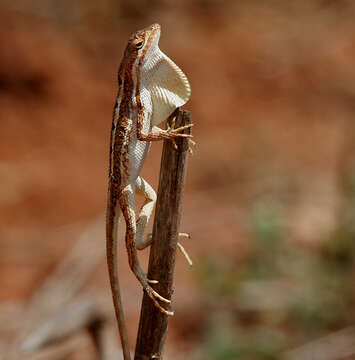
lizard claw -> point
(154, 295)
(185, 235)
(182, 249)
(184, 252)
(181, 128)
(174, 144)
(170, 125)
(176, 132)
(152, 281)
(191, 145)
(161, 298)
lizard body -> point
(151, 87)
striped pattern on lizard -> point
(151, 87)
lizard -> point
(150, 88)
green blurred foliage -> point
(226, 341)
(324, 295)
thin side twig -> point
(153, 324)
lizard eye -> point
(139, 45)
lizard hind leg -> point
(143, 188)
(127, 204)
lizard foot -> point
(172, 133)
(176, 132)
(155, 296)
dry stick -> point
(153, 324)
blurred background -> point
(270, 193)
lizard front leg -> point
(127, 203)
(157, 133)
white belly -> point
(138, 151)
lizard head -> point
(143, 40)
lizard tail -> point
(112, 220)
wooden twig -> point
(153, 324)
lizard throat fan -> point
(164, 80)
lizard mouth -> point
(154, 27)
(154, 35)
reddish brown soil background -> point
(273, 102)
